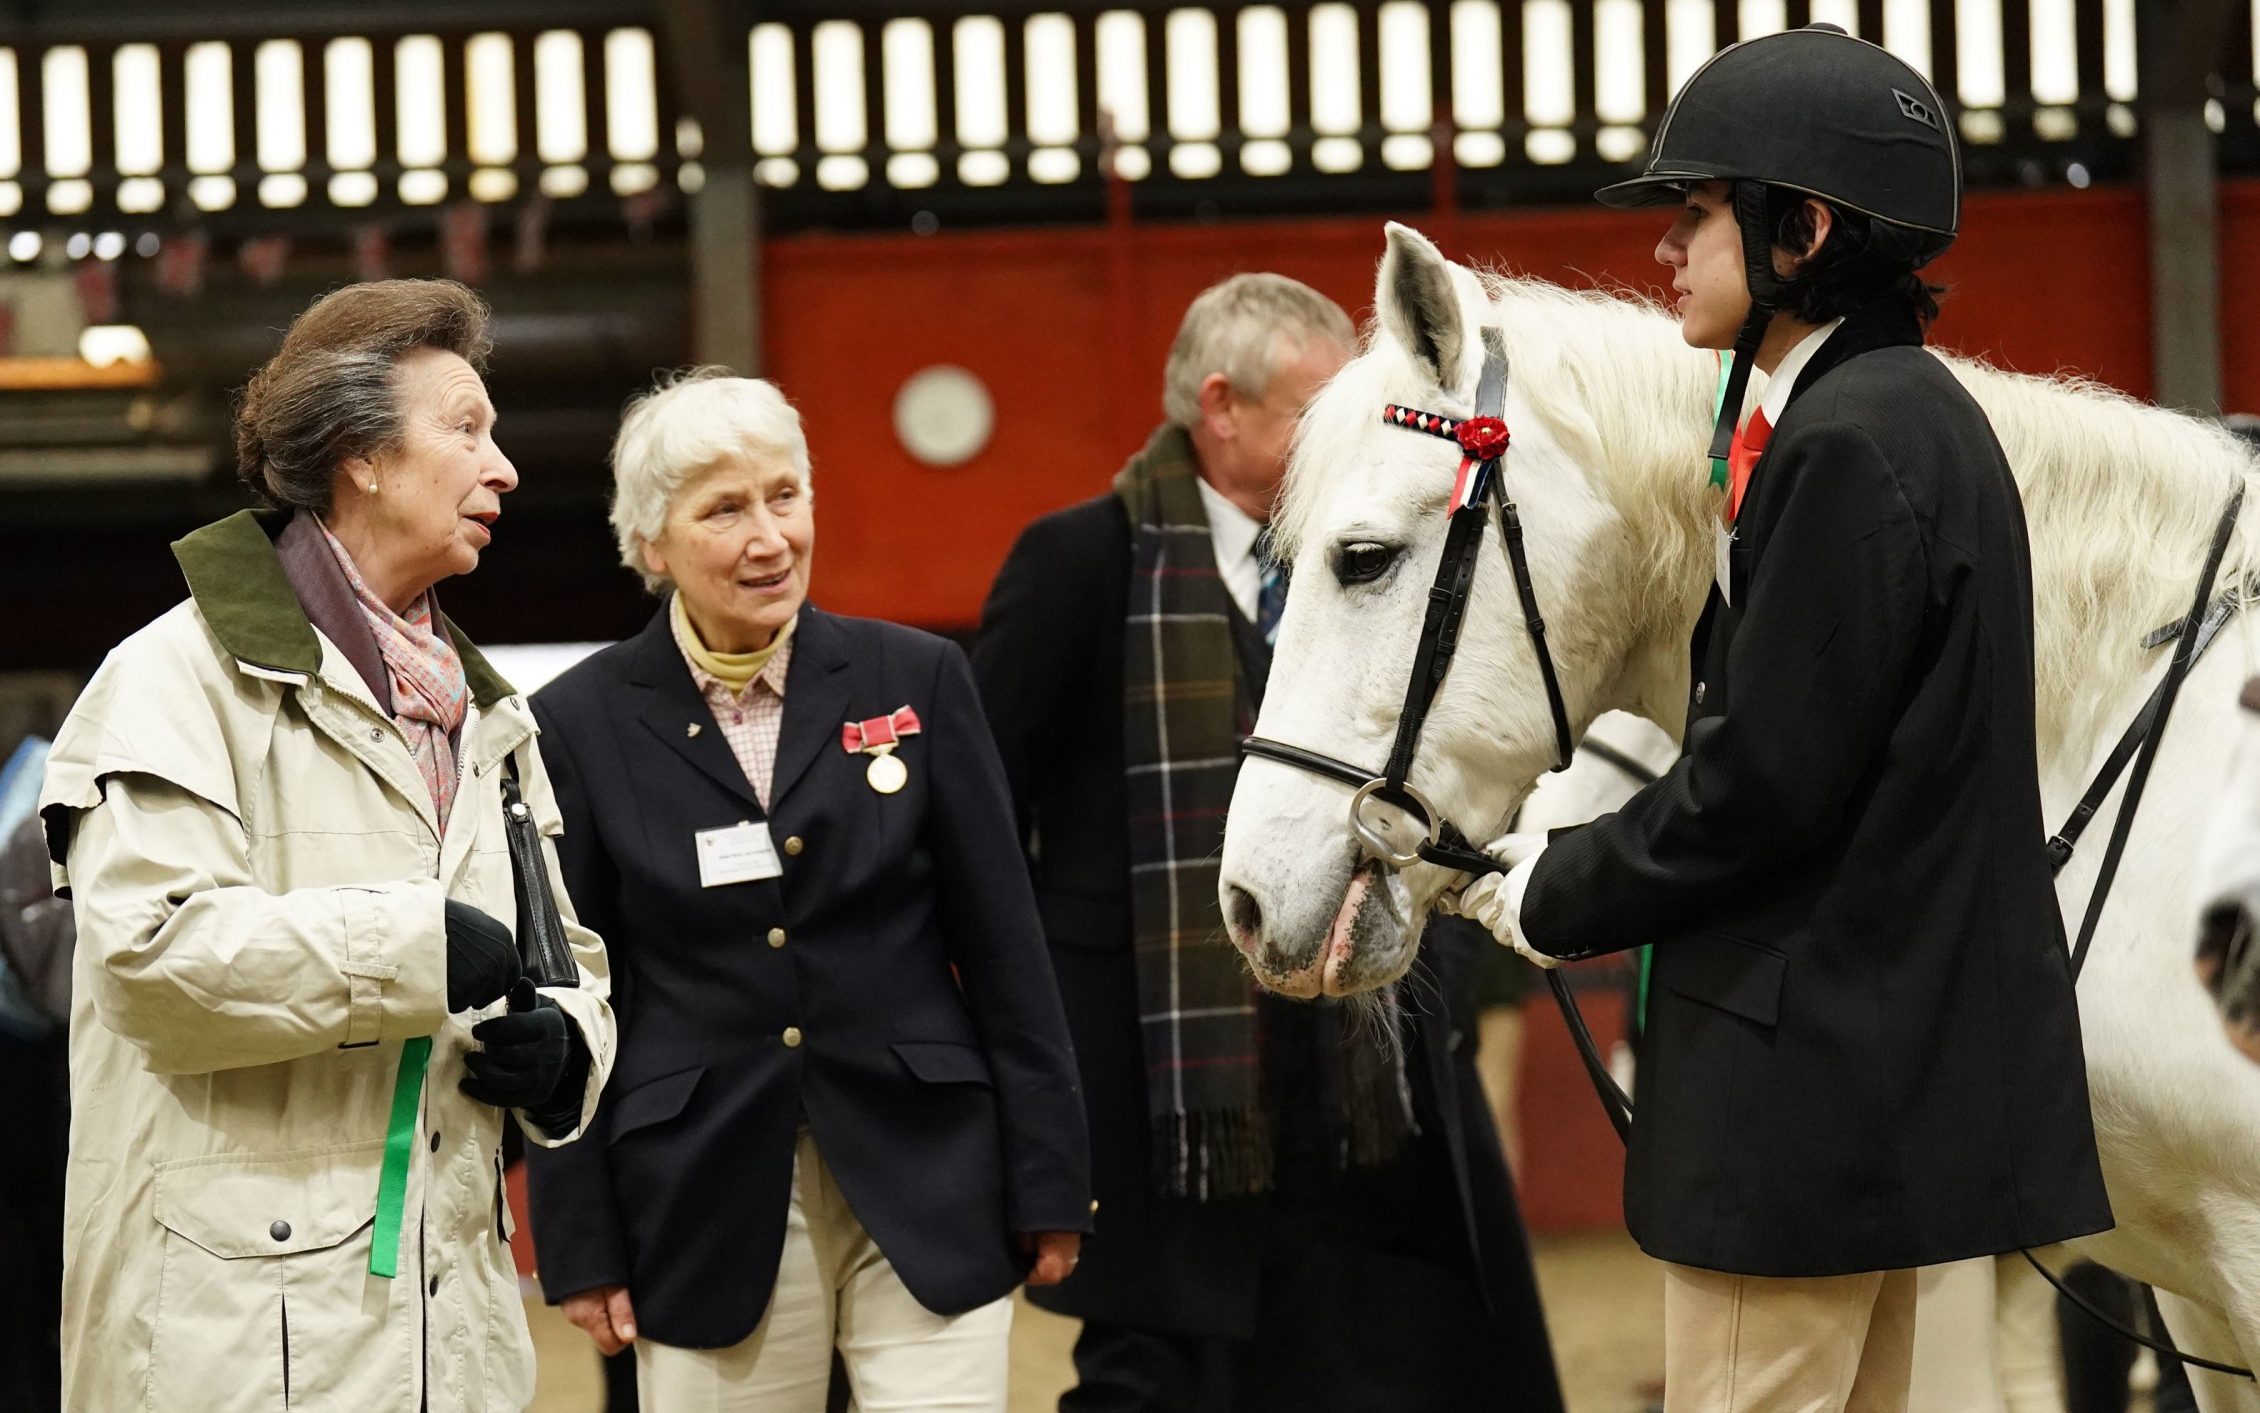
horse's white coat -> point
(2228, 864)
(1610, 410)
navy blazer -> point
(891, 990)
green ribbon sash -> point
(400, 1146)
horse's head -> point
(1600, 391)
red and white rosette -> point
(1483, 441)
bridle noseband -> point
(1481, 488)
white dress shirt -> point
(1232, 534)
(1773, 403)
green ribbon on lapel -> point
(400, 1146)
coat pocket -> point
(261, 1301)
(1738, 977)
(654, 1101)
(944, 1062)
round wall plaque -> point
(943, 415)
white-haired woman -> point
(845, 1113)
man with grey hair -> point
(1293, 1212)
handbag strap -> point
(544, 954)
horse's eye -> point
(1363, 562)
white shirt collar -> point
(1783, 381)
(1231, 530)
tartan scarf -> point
(429, 694)
(1187, 705)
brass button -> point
(776, 937)
(792, 1037)
(1094, 1206)
(793, 846)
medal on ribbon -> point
(878, 738)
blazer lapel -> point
(816, 699)
(674, 711)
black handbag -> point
(544, 955)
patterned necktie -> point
(1271, 591)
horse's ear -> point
(1419, 304)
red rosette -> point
(1484, 438)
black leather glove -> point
(535, 1060)
(482, 958)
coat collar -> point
(236, 577)
(1883, 323)
(816, 696)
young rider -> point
(1863, 1047)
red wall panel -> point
(1069, 328)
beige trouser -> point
(1761, 1344)
(833, 1287)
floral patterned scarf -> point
(429, 694)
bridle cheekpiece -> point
(1483, 440)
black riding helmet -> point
(1818, 111)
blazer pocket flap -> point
(1741, 978)
(654, 1101)
(944, 1061)
(239, 1206)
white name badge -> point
(1723, 549)
(741, 853)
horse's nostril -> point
(1243, 914)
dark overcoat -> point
(1049, 660)
(1863, 1047)
(890, 990)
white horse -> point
(2229, 888)
(1610, 410)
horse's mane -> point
(2121, 498)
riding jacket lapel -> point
(816, 699)
(674, 711)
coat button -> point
(280, 1231)
(776, 937)
(792, 1037)
(1700, 689)
(793, 846)
(1094, 1206)
(433, 1288)
(435, 1140)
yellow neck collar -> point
(733, 670)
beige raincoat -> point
(258, 878)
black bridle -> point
(1480, 496)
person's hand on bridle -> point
(1485, 900)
